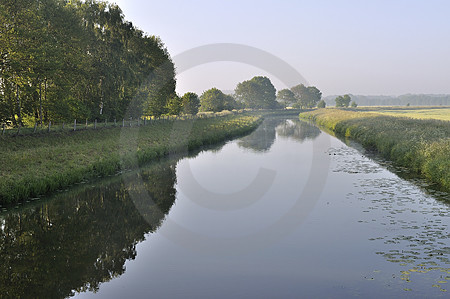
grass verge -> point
(35, 165)
(419, 144)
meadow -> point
(40, 163)
(441, 113)
(422, 145)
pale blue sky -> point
(347, 46)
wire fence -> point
(78, 125)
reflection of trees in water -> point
(298, 130)
(263, 137)
(82, 238)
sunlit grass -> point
(412, 112)
(37, 164)
(419, 144)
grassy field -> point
(441, 113)
(422, 145)
(33, 165)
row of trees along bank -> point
(62, 60)
(259, 93)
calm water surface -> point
(286, 212)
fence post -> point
(86, 123)
(35, 126)
(95, 124)
(75, 125)
(49, 125)
(123, 122)
(106, 122)
(63, 126)
(145, 121)
(3, 129)
(130, 120)
(115, 122)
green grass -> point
(422, 145)
(441, 113)
(37, 164)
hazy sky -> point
(346, 46)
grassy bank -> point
(419, 144)
(38, 164)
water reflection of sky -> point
(370, 234)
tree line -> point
(64, 60)
(259, 93)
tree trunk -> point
(45, 90)
(19, 106)
(40, 103)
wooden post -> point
(75, 125)
(95, 124)
(49, 125)
(145, 121)
(123, 123)
(86, 123)
(106, 122)
(3, 129)
(130, 120)
(35, 126)
(63, 126)
(115, 122)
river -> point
(288, 211)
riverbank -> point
(422, 145)
(35, 165)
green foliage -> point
(61, 60)
(321, 104)
(307, 97)
(230, 103)
(257, 93)
(353, 104)
(343, 101)
(212, 100)
(422, 145)
(191, 103)
(174, 106)
(286, 97)
(38, 164)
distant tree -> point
(174, 106)
(353, 104)
(190, 102)
(257, 93)
(321, 104)
(307, 97)
(286, 97)
(229, 103)
(343, 101)
(212, 100)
